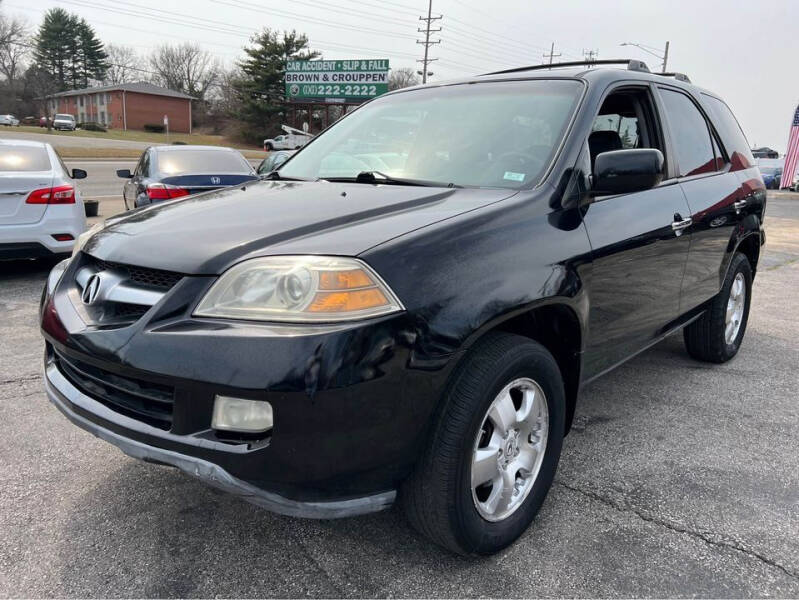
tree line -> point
(64, 53)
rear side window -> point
(24, 158)
(180, 162)
(731, 134)
(690, 134)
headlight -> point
(84, 237)
(299, 289)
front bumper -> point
(64, 395)
(352, 403)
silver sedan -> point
(41, 211)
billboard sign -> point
(336, 81)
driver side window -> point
(624, 121)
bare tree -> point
(401, 78)
(186, 68)
(125, 65)
(14, 47)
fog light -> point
(239, 414)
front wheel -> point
(717, 335)
(494, 449)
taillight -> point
(62, 194)
(164, 191)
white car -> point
(64, 122)
(9, 120)
(41, 211)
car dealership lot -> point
(679, 478)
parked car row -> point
(41, 210)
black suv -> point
(407, 309)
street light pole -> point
(664, 57)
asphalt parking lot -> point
(678, 479)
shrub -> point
(91, 126)
(154, 127)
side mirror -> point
(78, 174)
(627, 171)
(124, 173)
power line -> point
(427, 43)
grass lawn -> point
(145, 136)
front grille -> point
(151, 403)
(155, 278)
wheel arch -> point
(555, 324)
(749, 243)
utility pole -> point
(665, 57)
(590, 55)
(427, 43)
(551, 54)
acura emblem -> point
(216, 180)
(91, 290)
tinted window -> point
(731, 134)
(24, 158)
(178, 162)
(488, 134)
(690, 134)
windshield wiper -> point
(380, 177)
(276, 176)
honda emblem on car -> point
(216, 180)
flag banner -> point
(792, 154)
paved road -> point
(678, 479)
(101, 180)
(65, 139)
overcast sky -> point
(745, 51)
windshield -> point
(24, 158)
(180, 162)
(64, 117)
(492, 134)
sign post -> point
(335, 81)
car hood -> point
(207, 233)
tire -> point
(269, 147)
(708, 339)
(438, 498)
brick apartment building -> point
(126, 106)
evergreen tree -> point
(54, 46)
(67, 48)
(92, 55)
(260, 86)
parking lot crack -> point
(710, 538)
(339, 592)
(22, 379)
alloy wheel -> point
(735, 308)
(509, 449)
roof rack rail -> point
(677, 76)
(632, 65)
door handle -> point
(740, 204)
(679, 225)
